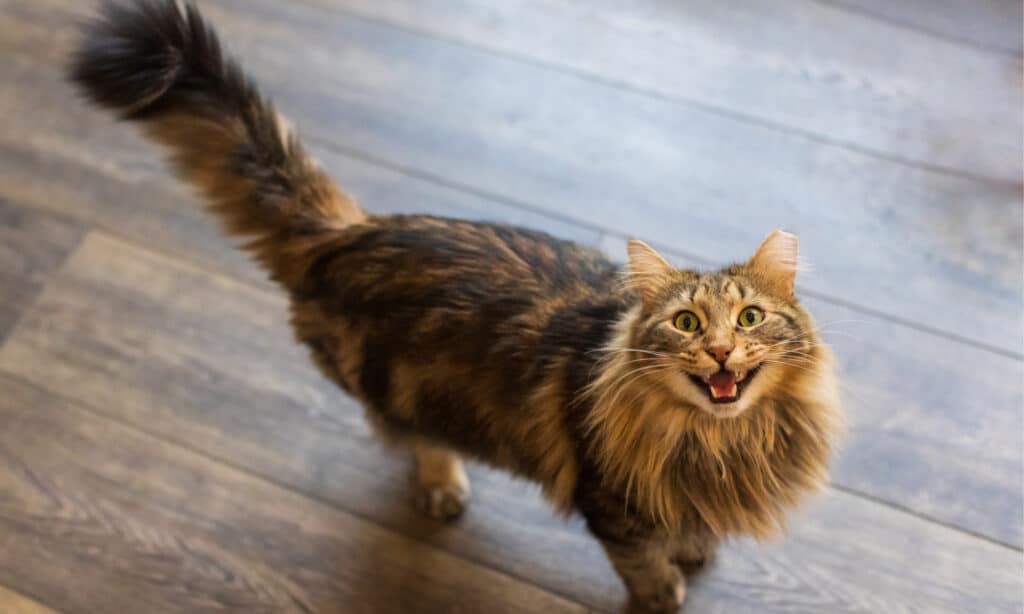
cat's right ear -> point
(776, 262)
(648, 271)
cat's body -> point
(475, 335)
(503, 344)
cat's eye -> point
(687, 321)
(751, 316)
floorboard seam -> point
(896, 23)
(84, 230)
(676, 100)
(925, 517)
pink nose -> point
(719, 352)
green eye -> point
(687, 321)
(751, 316)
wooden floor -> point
(164, 447)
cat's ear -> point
(776, 261)
(647, 269)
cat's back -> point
(409, 265)
(415, 313)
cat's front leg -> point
(655, 583)
(693, 552)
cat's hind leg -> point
(441, 483)
(442, 486)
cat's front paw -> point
(692, 567)
(444, 503)
(661, 595)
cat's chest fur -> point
(685, 471)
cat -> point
(671, 408)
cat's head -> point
(721, 340)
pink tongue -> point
(722, 382)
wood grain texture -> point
(120, 521)
(802, 66)
(987, 24)
(203, 360)
(32, 245)
(934, 426)
(15, 603)
(892, 238)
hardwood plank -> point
(16, 603)
(204, 360)
(894, 239)
(86, 167)
(934, 426)
(988, 24)
(101, 518)
(802, 66)
(32, 245)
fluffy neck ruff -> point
(684, 468)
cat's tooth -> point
(732, 392)
(705, 378)
(740, 375)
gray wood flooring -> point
(164, 446)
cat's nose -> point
(720, 352)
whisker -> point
(616, 383)
(609, 351)
(639, 375)
(622, 383)
(589, 388)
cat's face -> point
(723, 339)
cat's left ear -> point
(647, 269)
(776, 261)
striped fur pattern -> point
(498, 343)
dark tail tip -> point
(149, 56)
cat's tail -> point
(160, 64)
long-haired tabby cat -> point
(671, 408)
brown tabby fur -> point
(499, 343)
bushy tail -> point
(161, 65)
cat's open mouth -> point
(725, 386)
